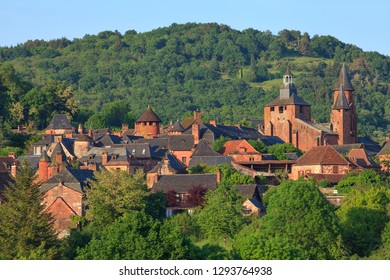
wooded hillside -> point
(228, 74)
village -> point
(66, 158)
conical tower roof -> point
(149, 116)
(343, 80)
(341, 100)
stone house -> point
(240, 150)
(64, 194)
(60, 125)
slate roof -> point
(45, 140)
(233, 132)
(108, 140)
(173, 164)
(385, 149)
(343, 80)
(182, 183)
(75, 179)
(59, 121)
(248, 191)
(294, 99)
(140, 150)
(158, 145)
(271, 140)
(204, 154)
(33, 159)
(214, 160)
(346, 148)
(177, 127)
(371, 146)
(318, 126)
(149, 116)
(341, 101)
(323, 155)
(183, 142)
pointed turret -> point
(344, 80)
(341, 100)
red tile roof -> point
(232, 146)
(324, 155)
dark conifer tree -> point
(25, 227)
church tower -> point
(343, 115)
(280, 114)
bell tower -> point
(343, 115)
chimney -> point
(197, 116)
(219, 176)
(152, 178)
(80, 129)
(213, 122)
(13, 170)
(58, 158)
(58, 138)
(104, 158)
(387, 138)
(125, 127)
(195, 133)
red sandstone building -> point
(289, 116)
(148, 125)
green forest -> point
(109, 78)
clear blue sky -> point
(364, 23)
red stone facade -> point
(289, 118)
(63, 203)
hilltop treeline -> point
(229, 74)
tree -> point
(221, 216)
(137, 236)
(25, 226)
(300, 224)
(363, 216)
(218, 144)
(114, 193)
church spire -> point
(341, 100)
(344, 80)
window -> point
(301, 109)
(335, 169)
(184, 160)
(143, 151)
(272, 109)
(281, 109)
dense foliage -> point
(25, 227)
(229, 74)
(300, 224)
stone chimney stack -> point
(13, 170)
(196, 133)
(219, 176)
(197, 116)
(104, 158)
